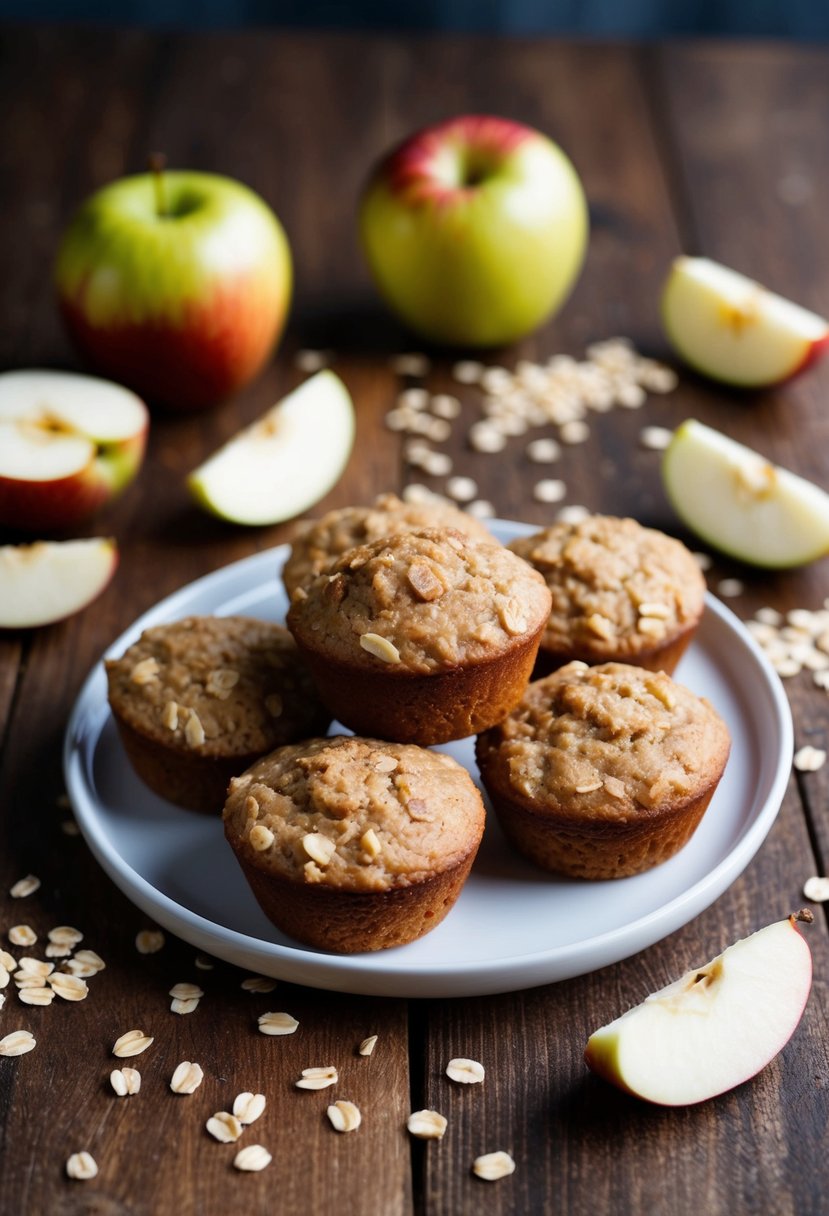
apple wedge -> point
(286, 461)
(736, 500)
(732, 329)
(715, 1027)
(68, 444)
(50, 580)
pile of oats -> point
(794, 642)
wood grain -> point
(682, 147)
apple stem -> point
(805, 914)
(158, 163)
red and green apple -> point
(475, 230)
(49, 580)
(715, 1027)
(175, 283)
(68, 444)
(732, 329)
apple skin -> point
(51, 407)
(184, 307)
(49, 580)
(731, 329)
(475, 230)
(716, 1027)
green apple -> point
(715, 1027)
(730, 328)
(475, 230)
(736, 500)
(286, 461)
(68, 444)
(176, 284)
(50, 580)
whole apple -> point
(475, 230)
(175, 283)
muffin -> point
(621, 593)
(603, 771)
(322, 541)
(421, 637)
(198, 700)
(354, 844)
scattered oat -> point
(410, 364)
(481, 508)
(816, 890)
(311, 361)
(462, 489)
(131, 1044)
(318, 1078)
(8, 960)
(81, 1166)
(34, 966)
(144, 672)
(84, 964)
(468, 371)
(25, 886)
(184, 1004)
(729, 587)
(436, 464)
(703, 560)
(258, 983)
(543, 451)
(260, 838)
(549, 489)
(367, 1046)
(149, 941)
(17, 1043)
(786, 668)
(186, 991)
(53, 951)
(4, 976)
(492, 1166)
(657, 438)
(344, 1116)
(125, 1081)
(248, 1107)
(277, 1023)
(413, 399)
(35, 995)
(252, 1158)
(65, 935)
(203, 962)
(573, 514)
(426, 1124)
(380, 647)
(466, 1072)
(487, 438)
(224, 1127)
(574, 431)
(68, 987)
(809, 759)
(821, 679)
(442, 405)
(187, 1078)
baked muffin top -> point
(606, 742)
(420, 602)
(354, 813)
(617, 588)
(322, 541)
(215, 686)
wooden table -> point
(708, 148)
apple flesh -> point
(50, 580)
(68, 444)
(736, 500)
(286, 461)
(176, 284)
(475, 230)
(715, 1027)
(732, 329)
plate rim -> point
(335, 972)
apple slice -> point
(68, 444)
(286, 461)
(736, 500)
(50, 580)
(732, 329)
(714, 1028)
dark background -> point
(600, 18)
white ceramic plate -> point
(514, 926)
